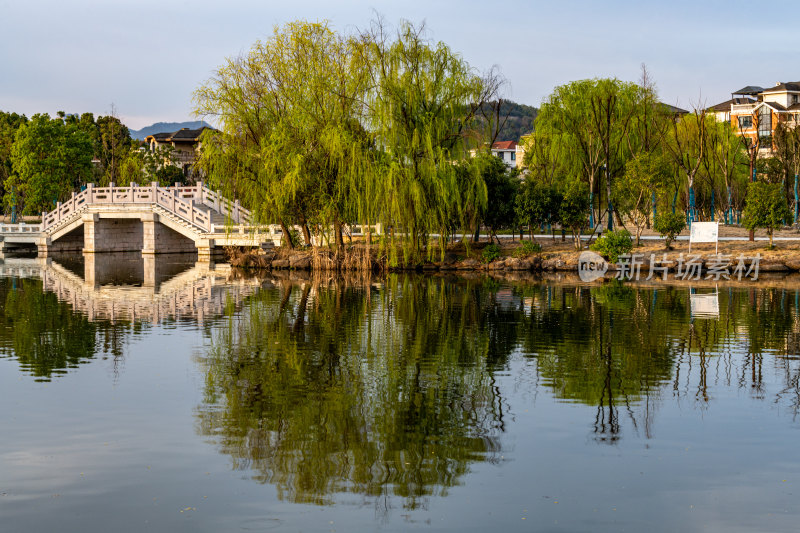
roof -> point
(182, 135)
(783, 87)
(775, 106)
(504, 145)
(750, 90)
(794, 107)
(726, 105)
(673, 109)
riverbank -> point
(555, 255)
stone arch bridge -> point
(151, 219)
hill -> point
(519, 122)
(166, 127)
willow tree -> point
(422, 102)
(291, 144)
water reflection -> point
(391, 388)
(399, 387)
(57, 315)
(384, 389)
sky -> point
(146, 58)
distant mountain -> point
(166, 127)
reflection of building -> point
(198, 292)
(184, 143)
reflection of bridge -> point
(198, 292)
(150, 219)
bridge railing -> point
(21, 228)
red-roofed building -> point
(507, 151)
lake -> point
(164, 395)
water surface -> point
(168, 396)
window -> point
(764, 122)
(513, 156)
(745, 122)
(500, 155)
(794, 98)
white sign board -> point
(704, 305)
(704, 232)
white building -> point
(507, 151)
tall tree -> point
(50, 158)
(292, 109)
(423, 100)
(9, 124)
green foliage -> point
(113, 144)
(321, 127)
(9, 124)
(644, 173)
(490, 253)
(536, 204)
(527, 248)
(142, 166)
(765, 207)
(294, 238)
(573, 210)
(669, 225)
(613, 244)
(50, 158)
(291, 392)
(501, 190)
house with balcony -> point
(756, 112)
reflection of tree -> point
(326, 389)
(43, 333)
(46, 336)
(619, 347)
(597, 347)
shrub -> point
(613, 244)
(765, 207)
(527, 248)
(490, 253)
(669, 225)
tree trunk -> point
(337, 231)
(287, 237)
(306, 233)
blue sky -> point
(148, 57)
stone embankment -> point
(555, 262)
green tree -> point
(50, 158)
(593, 118)
(535, 205)
(9, 124)
(501, 189)
(765, 207)
(644, 174)
(292, 144)
(115, 142)
(573, 210)
(423, 105)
